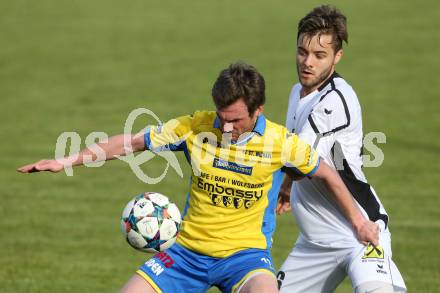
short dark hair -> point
(239, 81)
(325, 19)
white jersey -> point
(330, 120)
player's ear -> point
(258, 111)
(338, 56)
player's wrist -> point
(66, 162)
(358, 223)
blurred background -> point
(83, 66)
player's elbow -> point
(325, 172)
(137, 142)
(330, 177)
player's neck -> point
(306, 90)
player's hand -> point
(368, 232)
(43, 165)
(283, 204)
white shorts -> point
(315, 268)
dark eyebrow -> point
(315, 52)
(304, 49)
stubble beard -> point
(310, 85)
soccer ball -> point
(150, 222)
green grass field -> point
(84, 65)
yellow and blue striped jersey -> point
(234, 185)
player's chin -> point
(234, 136)
(307, 81)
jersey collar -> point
(260, 124)
(259, 128)
(329, 80)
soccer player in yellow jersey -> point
(237, 158)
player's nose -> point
(228, 127)
(308, 61)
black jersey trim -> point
(324, 95)
(329, 80)
(347, 113)
(344, 103)
(360, 190)
(312, 123)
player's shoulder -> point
(338, 93)
(198, 117)
(204, 117)
(277, 132)
(270, 125)
(295, 89)
(197, 121)
(344, 88)
(337, 108)
(294, 92)
(202, 121)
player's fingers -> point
(375, 241)
(278, 208)
(22, 169)
(46, 165)
(39, 166)
(282, 208)
(26, 168)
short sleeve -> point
(170, 136)
(330, 115)
(327, 118)
(291, 108)
(299, 155)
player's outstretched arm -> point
(111, 148)
(366, 231)
(42, 165)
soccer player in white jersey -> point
(325, 112)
